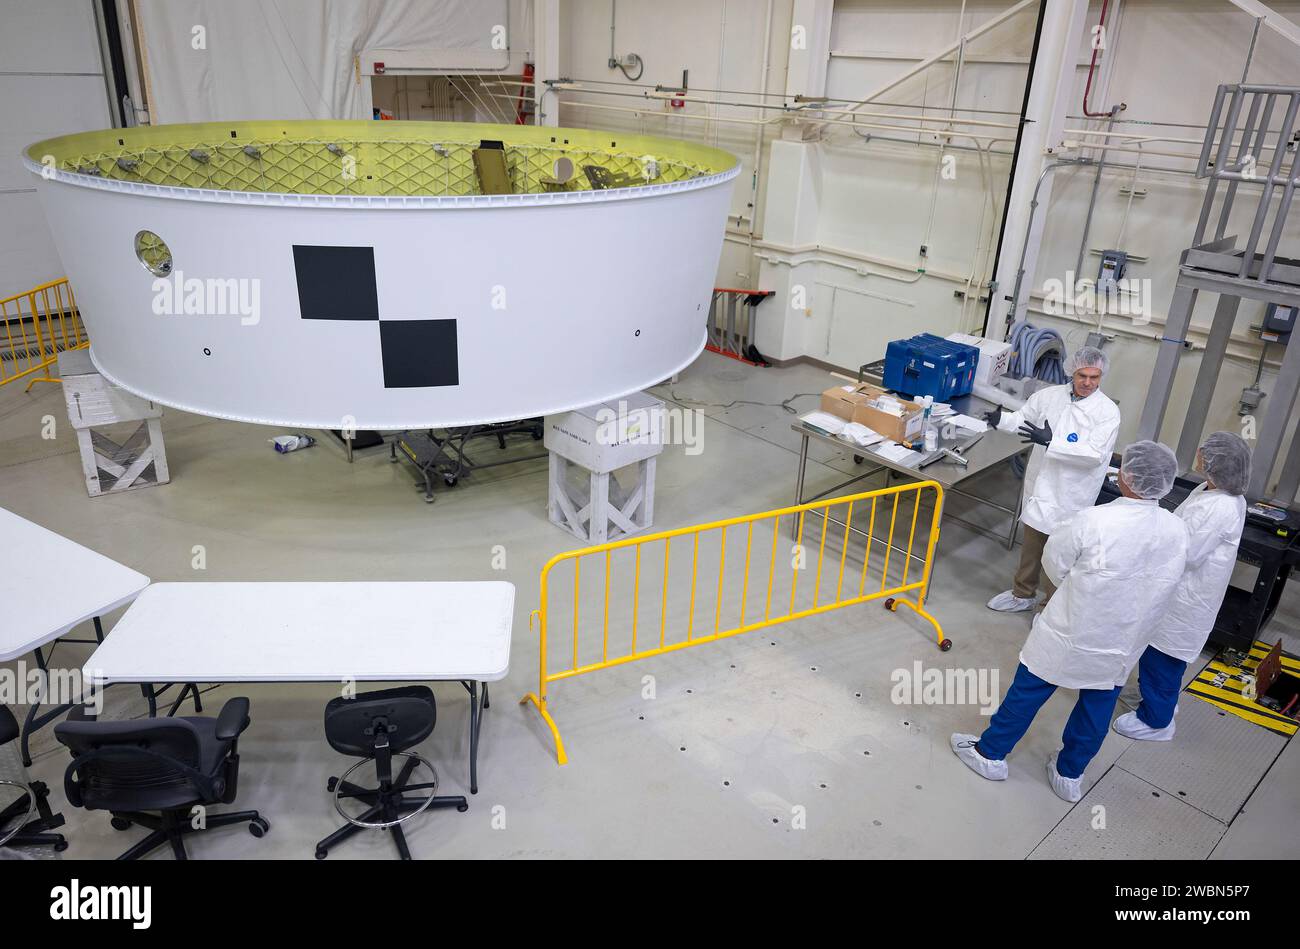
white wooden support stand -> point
(600, 440)
(598, 518)
(94, 402)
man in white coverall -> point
(1116, 566)
(1214, 515)
(1073, 428)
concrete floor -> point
(780, 743)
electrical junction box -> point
(994, 360)
(1111, 270)
(1279, 321)
(609, 435)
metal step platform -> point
(445, 457)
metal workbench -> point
(982, 452)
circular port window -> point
(153, 253)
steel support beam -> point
(1207, 378)
(1171, 348)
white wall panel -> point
(39, 107)
(49, 36)
(51, 83)
(28, 256)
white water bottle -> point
(929, 434)
(287, 443)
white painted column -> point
(1051, 97)
(790, 219)
(791, 207)
(546, 60)
(810, 47)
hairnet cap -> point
(1087, 357)
(1149, 469)
(1226, 460)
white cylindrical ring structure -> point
(309, 280)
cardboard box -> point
(850, 402)
(841, 400)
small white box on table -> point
(995, 357)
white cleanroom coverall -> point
(1115, 567)
(1214, 520)
(1065, 477)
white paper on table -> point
(825, 421)
(900, 454)
(968, 423)
(860, 435)
(940, 409)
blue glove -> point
(1035, 435)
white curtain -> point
(463, 34)
(222, 60)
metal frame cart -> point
(445, 456)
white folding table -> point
(316, 632)
(49, 585)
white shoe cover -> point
(1130, 726)
(1008, 602)
(1067, 789)
(963, 746)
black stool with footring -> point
(378, 726)
(26, 821)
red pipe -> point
(1087, 89)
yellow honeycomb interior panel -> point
(369, 158)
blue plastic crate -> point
(930, 365)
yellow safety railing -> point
(630, 566)
(35, 326)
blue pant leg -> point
(1160, 677)
(1085, 730)
(1013, 717)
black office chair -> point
(376, 726)
(154, 771)
(27, 820)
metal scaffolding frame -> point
(1256, 271)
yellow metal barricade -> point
(624, 588)
(35, 326)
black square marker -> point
(419, 353)
(336, 283)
